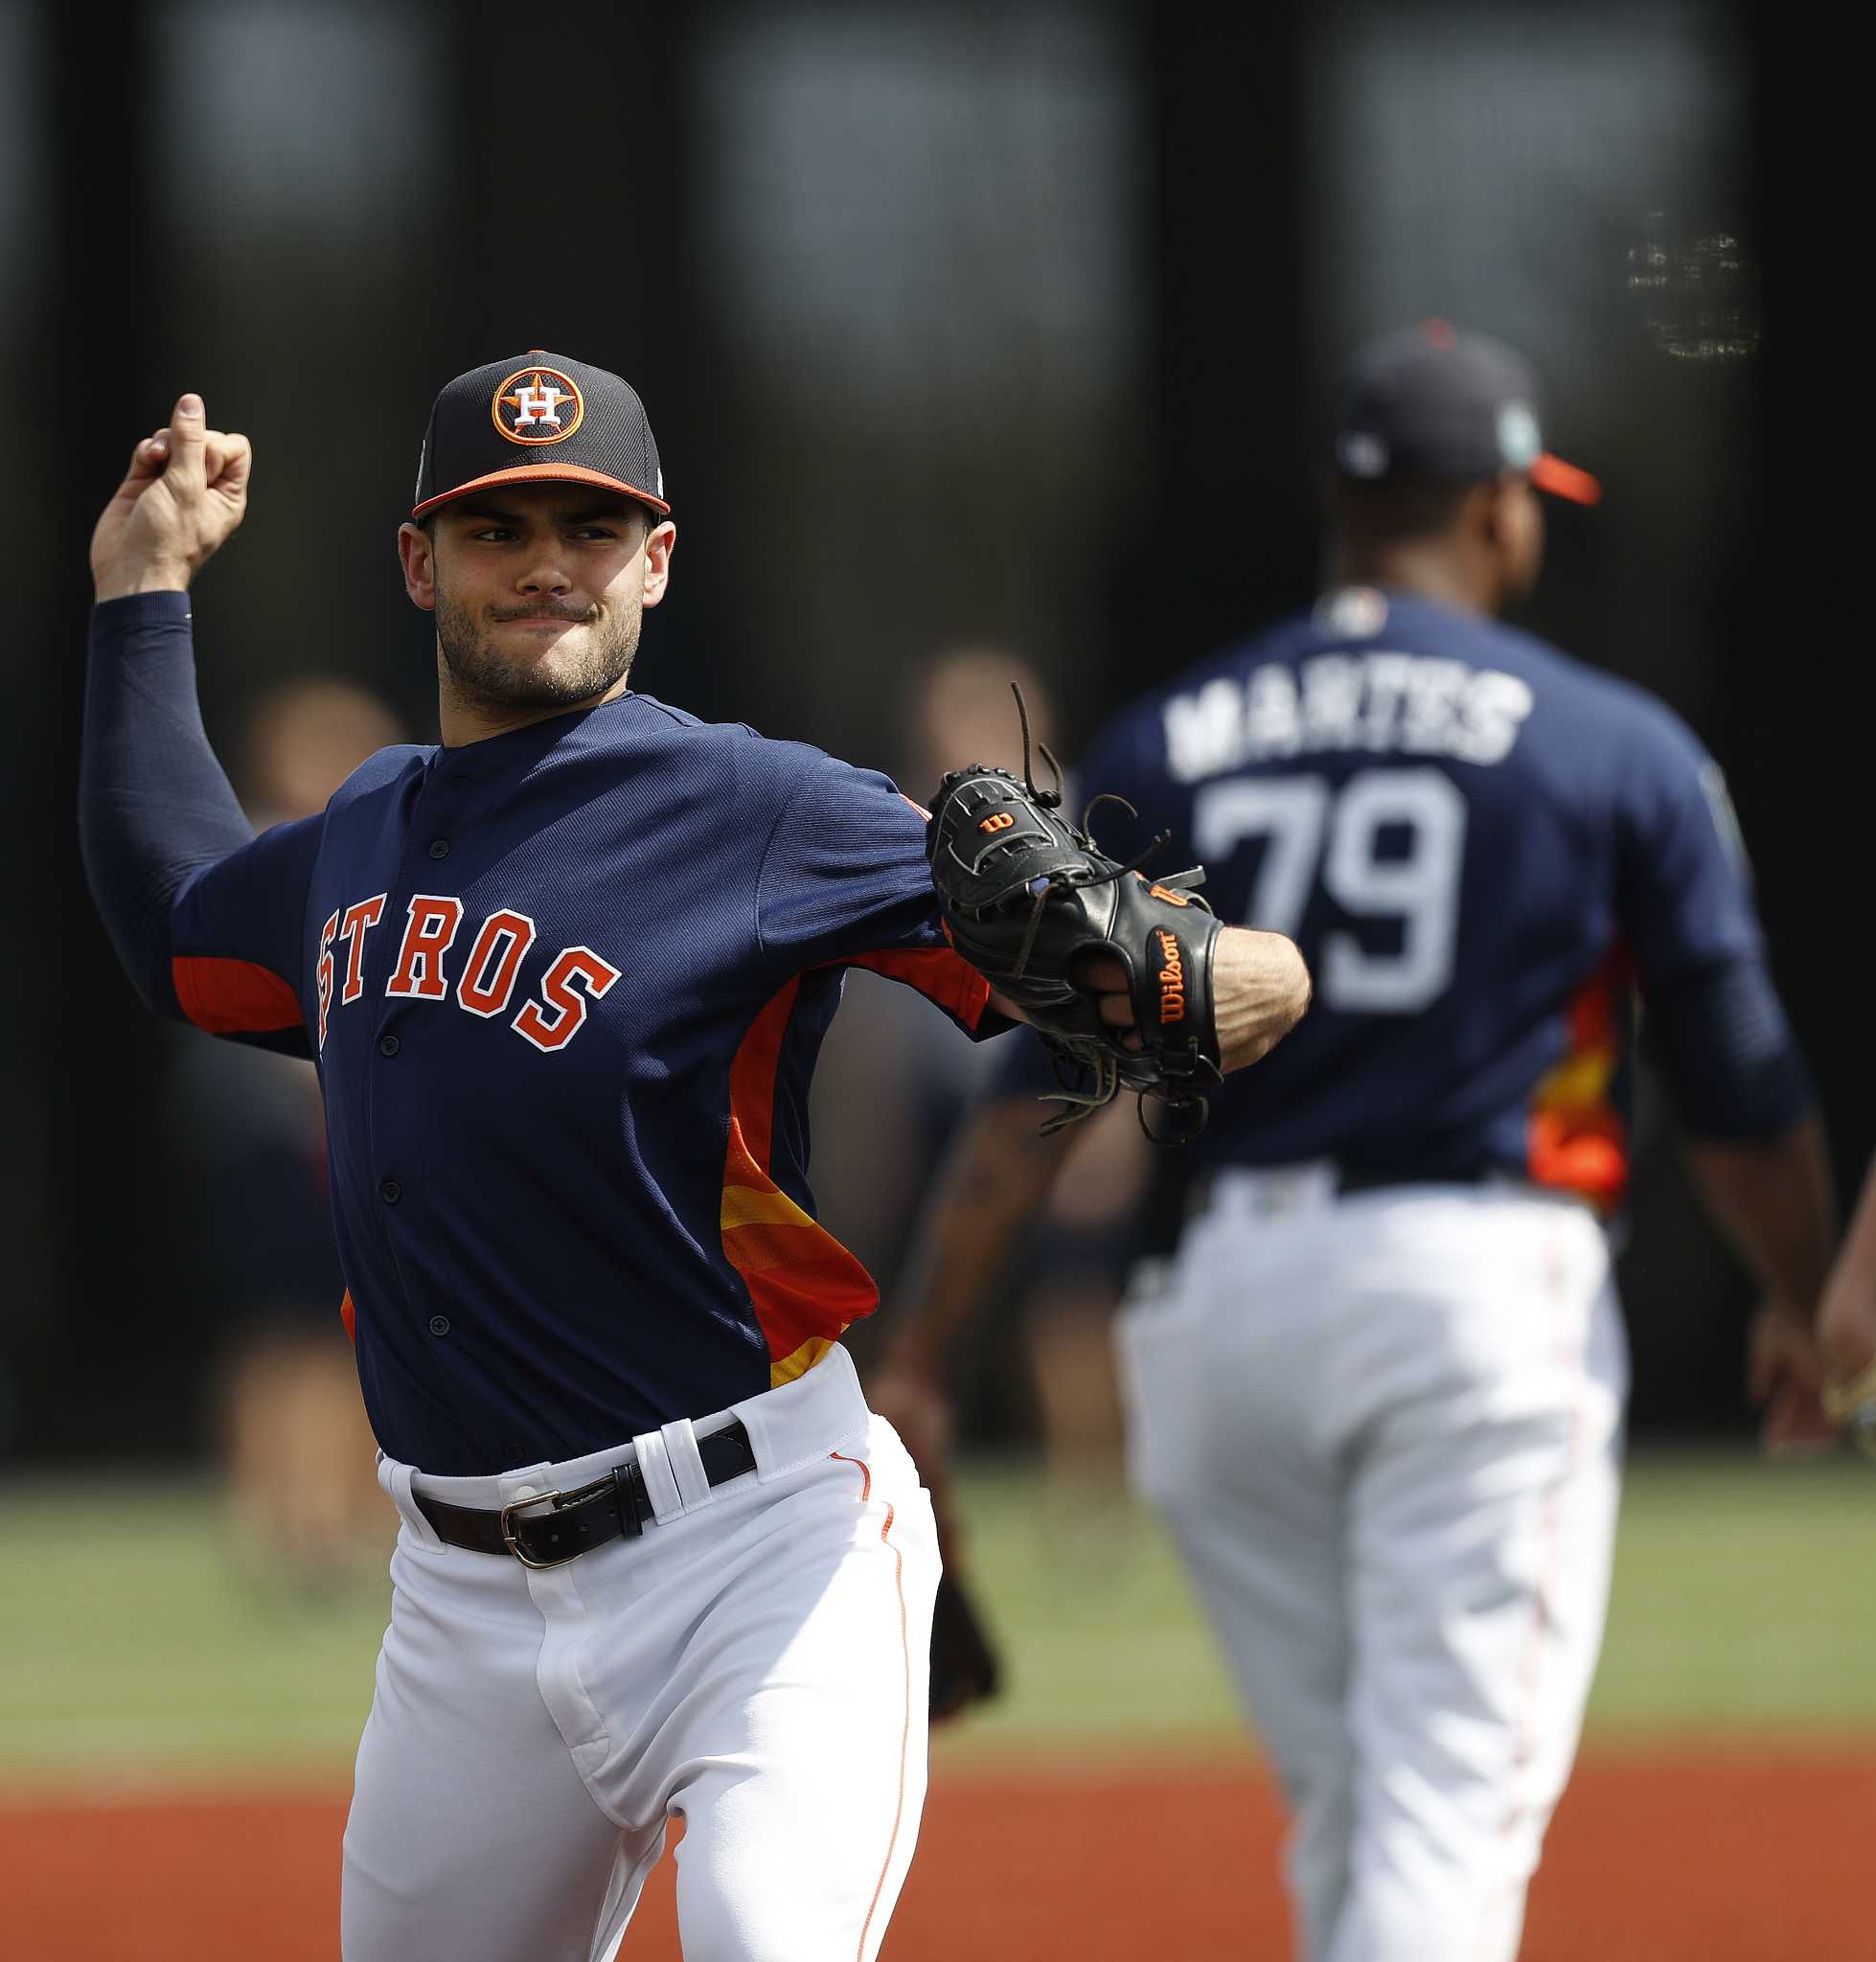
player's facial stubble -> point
(579, 666)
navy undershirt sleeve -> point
(207, 919)
(154, 803)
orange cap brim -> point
(1553, 474)
(545, 474)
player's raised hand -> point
(183, 495)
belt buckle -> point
(514, 1546)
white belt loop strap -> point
(686, 1463)
(654, 1466)
(396, 1479)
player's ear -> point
(1522, 521)
(1484, 509)
(1510, 526)
(659, 543)
(416, 552)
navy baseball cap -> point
(538, 419)
(1434, 403)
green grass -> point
(130, 1646)
(131, 1651)
(1744, 1598)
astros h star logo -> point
(538, 405)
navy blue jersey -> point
(1478, 844)
(564, 987)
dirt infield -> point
(1733, 1856)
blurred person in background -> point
(903, 1080)
(295, 1441)
(900, 1081)
(1378, 1393)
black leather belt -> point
(1354, 1178)
(1349, 1179)
(614, 1507)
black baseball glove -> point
(1029, 900)
(964, 1666)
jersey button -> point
(439, 1324)
(387, 1046)
(438, 848)
(390, 1192)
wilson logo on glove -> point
(1172, 976)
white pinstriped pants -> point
(1386, 1433)
(757, 1662)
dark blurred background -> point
(960, 325)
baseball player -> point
(1379, 1396)
(564, 977)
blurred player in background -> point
(890, 1088)
(298, 1449)
(902, 1082)
(1380, 1400)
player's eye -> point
(603, 532)
(492, 534)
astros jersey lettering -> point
(1478, 844)
(565, 988)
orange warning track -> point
(1663, 1856)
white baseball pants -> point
(1386, 1433)
(757, 1662)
